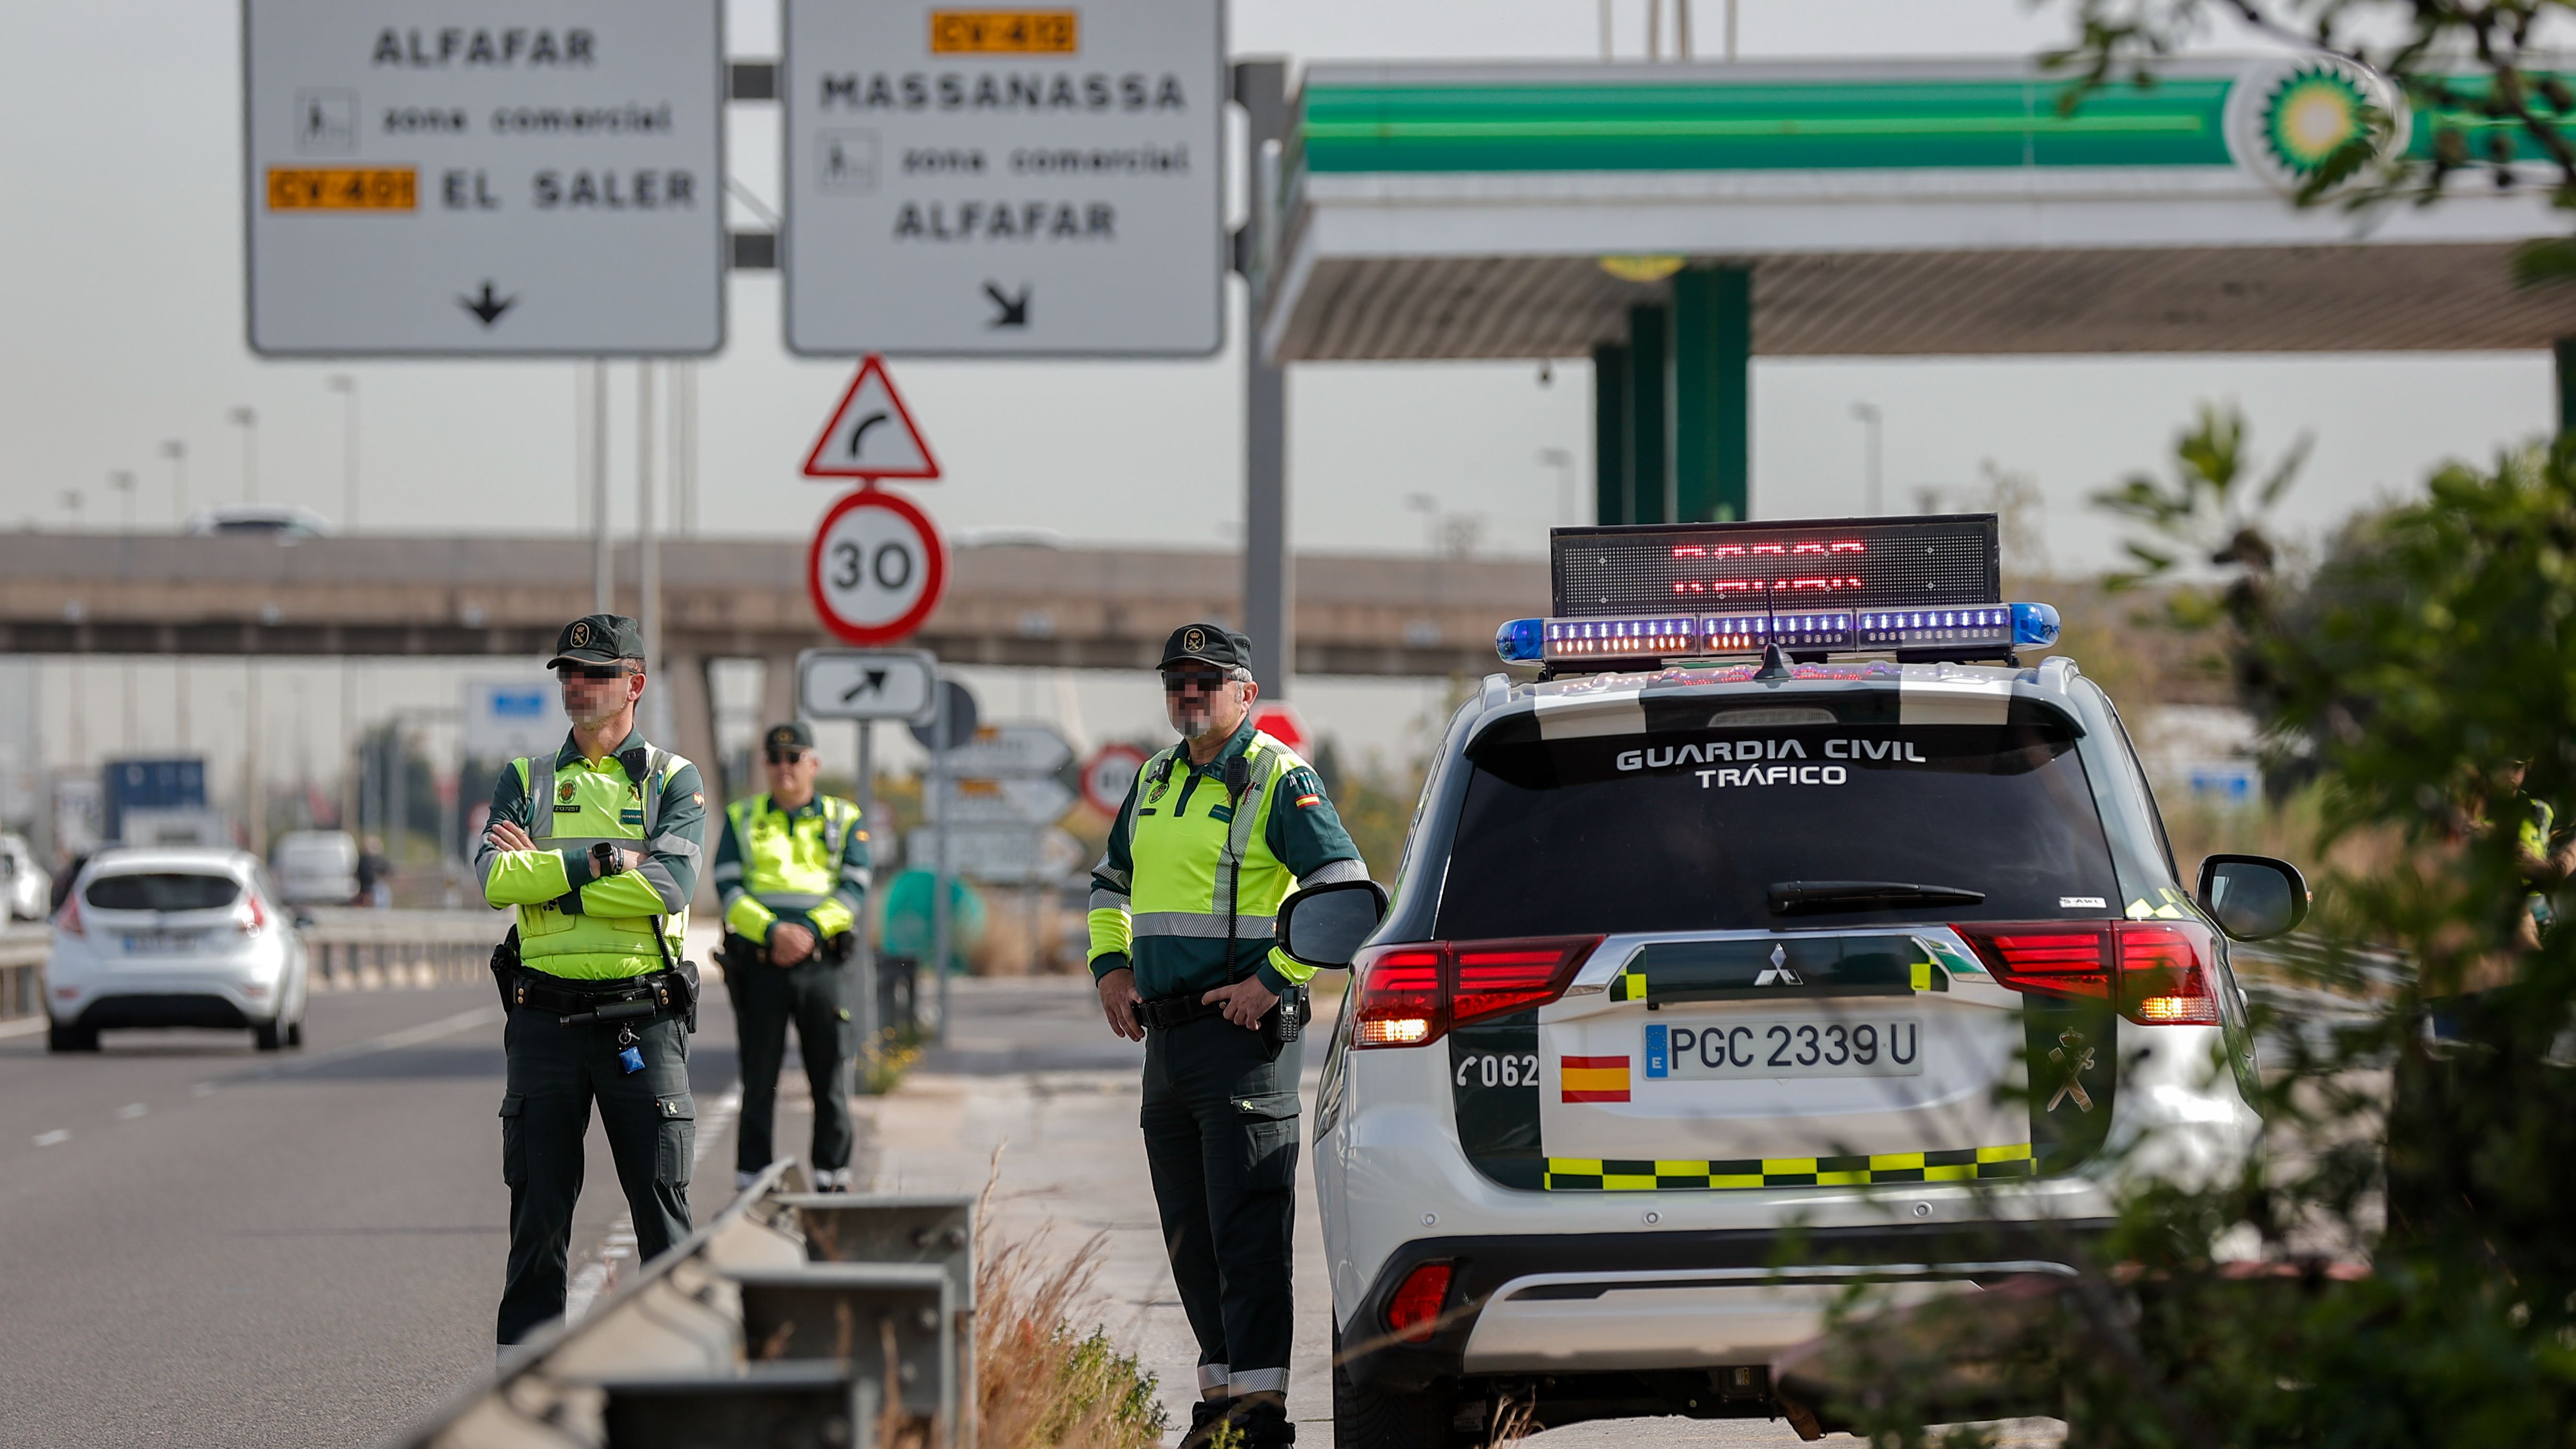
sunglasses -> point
(1205, 681)
(785, 757)
(593, 671)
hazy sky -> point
(122, 301)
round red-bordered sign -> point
(876, 568)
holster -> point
(505, 967)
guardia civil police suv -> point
(1789, 896)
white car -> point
(317, 868)
(1688, 964)
(174, 937)
(28, 887)
(285, 522)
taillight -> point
(1413, 994)
(1414, 1312)
(1400, 1001)
(252, 919)
(2164, 974)
(67, 920)
(2159, 971)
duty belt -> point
(1167, 1012)
(624, 998)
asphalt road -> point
(206, 1245)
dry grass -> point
(1041, 1382)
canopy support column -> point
(1712, 394)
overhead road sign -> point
(1107, 775)
(871, 434)
(1010, 749)
(1029, 182)
(866, 684)
(459, 178)
(1027, 800)
(876, 569)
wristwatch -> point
(606, 860)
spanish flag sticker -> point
(1594, 1079)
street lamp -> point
(123, 482)
(1429, 508)
(72, 502)
(177, 452)
(1563, 462)
(1869, 417)
(346, 385)
(248, 421)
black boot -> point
(1205, 1416)
(1264, 1424)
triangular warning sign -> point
(870, 434)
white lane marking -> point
(598, 1275)
(390, 1041)
(130, 1111)
(48, 1139)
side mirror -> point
(303, 919)
(1324, 925)
(2253, 897)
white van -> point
(317, 868)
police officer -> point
(597, 845)
(793, 870)
(1212, 836)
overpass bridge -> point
(499, 597)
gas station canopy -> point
(1881, 209)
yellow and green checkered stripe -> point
(1965, 1164)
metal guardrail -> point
(357, 949)
(792, 1320)
(350, 950)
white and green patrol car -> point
(1749, 917)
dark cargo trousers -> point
(555, 1072)
(816, 997)
(1220, 1120)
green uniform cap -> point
(1208, 644)
(793, 735)
(598, 639)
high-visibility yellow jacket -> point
(1182, 854)
(572, 922)
(807, 866)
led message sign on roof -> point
(1769, 568)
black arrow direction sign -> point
(874, 682)
(1015, 310)
(487, 306)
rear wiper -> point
(1795, 897)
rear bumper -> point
(204, 1009)
(1692, 1299)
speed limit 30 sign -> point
(876, 569)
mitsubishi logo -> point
(1778, 972)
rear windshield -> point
(1689, 828)
(163, 891)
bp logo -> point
(2288, 118)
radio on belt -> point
(1645, 594)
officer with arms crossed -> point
(597, 845)
(1212, 837)
(793, 869)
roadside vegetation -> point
(2399, 1272)
(1043, 1381)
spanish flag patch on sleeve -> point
(1309, 802)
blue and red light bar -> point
(1709, 590)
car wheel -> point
(295, 1034)
(1374, 1419)
(267, 1037)
(61, 1038)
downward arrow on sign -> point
(487, 306)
